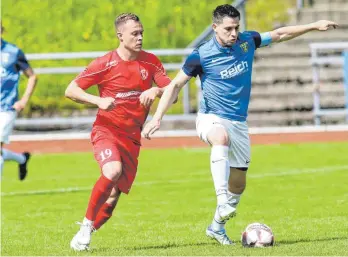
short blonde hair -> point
(124, 17)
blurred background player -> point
(224, 64)
(12, 62)
(124, 78)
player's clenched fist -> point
(148, 96)
(106, 103)
(19, 105)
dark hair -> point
(124, 17)
(225, 10)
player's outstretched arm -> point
(290, 32)
(169, 96)
(77, 94)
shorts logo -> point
(244, 47)
(105, 154)
(144, 74)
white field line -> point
(183, 133)
(256, 176)
(52, 191)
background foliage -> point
(85, 25)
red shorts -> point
(109, 145)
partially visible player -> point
(13, 61)
(124, 78)
(224, 65)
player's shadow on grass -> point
(289, 242)
(169, 245)
(163, 246)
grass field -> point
(300, 191)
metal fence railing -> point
(90, 55)
(318, 61)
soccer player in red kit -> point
(124, 78)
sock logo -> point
(213, 161)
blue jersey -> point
(12, 62)
(225, 74)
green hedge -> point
(39, 26)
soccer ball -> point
(257, 235)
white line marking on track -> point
(251, 176)
(300, 171)
(183, 133)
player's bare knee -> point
(218, 136)
(112, 170)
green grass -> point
(300, 191)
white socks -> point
(233, 199)
(9, 155)
(87, 222)
(217, 224)
(220, 170)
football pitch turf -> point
(300, 191)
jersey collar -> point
(226, 49)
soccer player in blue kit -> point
(224, 65)
(13, 61)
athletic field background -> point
(299, 190)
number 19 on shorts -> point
(105, 154)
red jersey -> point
(124, 81)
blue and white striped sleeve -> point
(261, 40)
(266, 39)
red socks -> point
(103, 215)
(100, 193)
